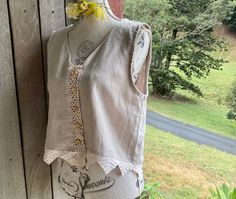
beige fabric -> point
(112, 106)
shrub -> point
(151, 191)
(231, 102)
(223, 192)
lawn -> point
(184, 169)
(210, 111)
(201, 113)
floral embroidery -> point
(78, 128)
(83, 51)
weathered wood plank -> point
(11, 165)
(52, 17)
(30, 83)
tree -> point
(231, 20)
(231, 101)
(182, 39)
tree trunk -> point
(169, 54)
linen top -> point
(96, 112)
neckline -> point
(98, 46)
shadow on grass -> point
(175, 98)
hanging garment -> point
(96, 112)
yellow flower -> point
(90, 9)
(95, 9)
(98, 12)
(74, 10)
(84, 5)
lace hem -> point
(107, 164)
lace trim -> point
(81, 156)
(107, 164)
(78, 128)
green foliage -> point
(182, 39)
(166, 81)
(231, 115)
(151, 191)
(231, 20)
(231, 102)
(223, 192)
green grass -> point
(208, 112)
(183, 168)
(216, 86)
(201, 113)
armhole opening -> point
(140, 80)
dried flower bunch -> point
(84, 8)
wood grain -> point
(11, 164)
(30, 87)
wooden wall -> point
(24, 31)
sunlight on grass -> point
(184, 169)
(201, 113)
(208, 112)
(216, 86)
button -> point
(74, 90)
(78, 125)
(77, 141)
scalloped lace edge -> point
(107, 164)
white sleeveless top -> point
(96, 112)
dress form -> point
(89, 32)
(83, 39)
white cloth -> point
(101, 118)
